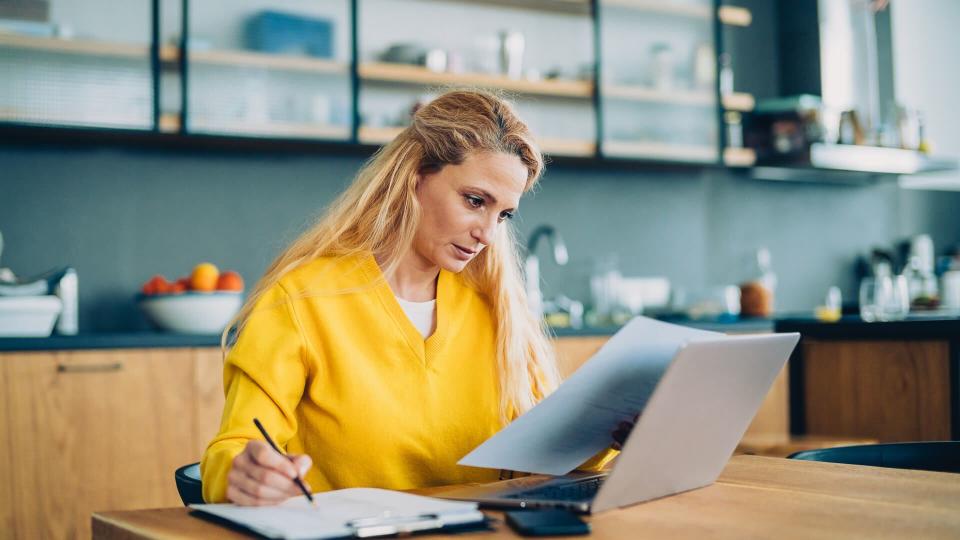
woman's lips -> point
(462, 253)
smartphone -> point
(550, 522)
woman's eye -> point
(474, 201)
(506, 215)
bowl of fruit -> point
(202, 303)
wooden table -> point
(755, 497)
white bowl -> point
(192, 312)
(28, 316)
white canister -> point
(950, 289)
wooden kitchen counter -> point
(755, 497)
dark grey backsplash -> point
(120, 216)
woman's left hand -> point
(621, 432)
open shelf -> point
(674, 97)
(252, 59)
(74, 46)
(549, 145)
(660, 150)
(739, 157)
(738, 101)
(297, 130)
(418, 75)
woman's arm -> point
(264, 377)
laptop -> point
(691, 425)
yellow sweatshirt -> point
(347, 378)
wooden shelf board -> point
(739, 157)
(377, 135)
(739, 101)
(418, 75)
(640, 93)
(71, 46)
(253, 59)
(659, 6)
(9, 114)
(282, 129)
(735, 16)
(568, 147)
(553, 146)
(659, 150)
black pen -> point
(296, 479)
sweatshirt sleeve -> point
(264, 377)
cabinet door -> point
(658, 80)
(269, 68)
(92, 430)
(65, 63)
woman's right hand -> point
(260, 476)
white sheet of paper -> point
(297, 519)
(576, 421)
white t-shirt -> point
(423, 315)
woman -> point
(393, 336)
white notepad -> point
(362, 512)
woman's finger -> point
(265, 456)
(258, 489)
(272, 479)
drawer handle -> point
(90, 368)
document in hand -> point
(575, 422)
(360, 512)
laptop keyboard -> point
(583, 490)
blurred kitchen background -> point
(706, 148)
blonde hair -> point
(379, 213)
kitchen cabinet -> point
(63, 65)
(892, 391)
(99, 429)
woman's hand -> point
(260, 476)
(621, 433)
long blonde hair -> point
(379, 213)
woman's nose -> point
(484, 231)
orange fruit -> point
(204, 277)
(230, 281)
(156, 285)
(178, 287)
(185, 282)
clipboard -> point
(349, 513)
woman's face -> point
(463, 205)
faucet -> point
(531, 264)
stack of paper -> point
(361, 512)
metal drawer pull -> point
(90, 368)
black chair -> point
(942, 456)
(188, 484)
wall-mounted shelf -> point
(418, 75)
(256, 60)
(74, 46)
(549, 145)
(738, 101)
(673, 97)
(660, 150)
